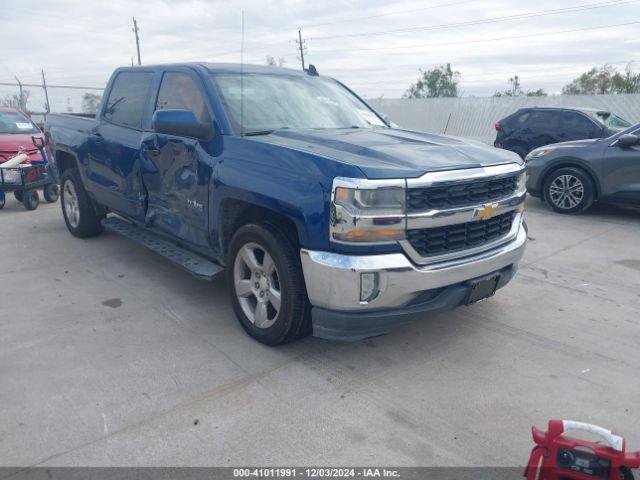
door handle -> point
(151, 149)
(97, 137)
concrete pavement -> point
(111, 356)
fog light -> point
(368, 286)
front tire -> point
(77, 208)
(569, 190)
(266, 284)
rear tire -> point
(266, 284)
(569, 190)
(18, 195)
(51, 192)
(77, 208)
(3, 200)
(30, 199)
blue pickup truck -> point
(324, 217)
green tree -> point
(629, 82)
(537, 93)
(600, 81)
(442, 81)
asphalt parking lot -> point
(111, 356)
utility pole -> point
(135, 30)
(301, 45)
(46, 93)
(21, 102)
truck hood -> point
(391, 153)
(10, 144)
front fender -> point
(568, 161)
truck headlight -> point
(367, 211)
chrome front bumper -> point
(333, 280)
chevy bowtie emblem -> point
(486, 211)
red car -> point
(16, 130)
(17, 133)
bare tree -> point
(515, 90)
(272, 62)
(90, 103)
(16, 100)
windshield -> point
(272, 102)
(610, 120)
(14, 122)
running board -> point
(198, 266)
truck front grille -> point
(460, 194)
(452, 238)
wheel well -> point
(64, 161)
(588, 173)
(235, 213)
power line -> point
(483, 40)
(403, 12)
(39, 85)
(524, 75)
(521, 16)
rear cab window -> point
(127, 99)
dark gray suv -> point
(570, 176)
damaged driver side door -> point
(176, 167)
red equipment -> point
(559, 457)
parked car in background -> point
(571, 176)
(530, 128)
(325, 217)
(19, 135)
(16, 132)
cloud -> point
(80, 43)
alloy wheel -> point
(71, 207)
(566, 191)
(257, 285)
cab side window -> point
(127, 99)
(179, 91)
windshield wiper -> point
(258, 132)
(263, 132)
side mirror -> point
(627, 140)
(181, 123)
(38, 142)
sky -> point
(376, 47)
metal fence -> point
(475, 117)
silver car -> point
(571, 176)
